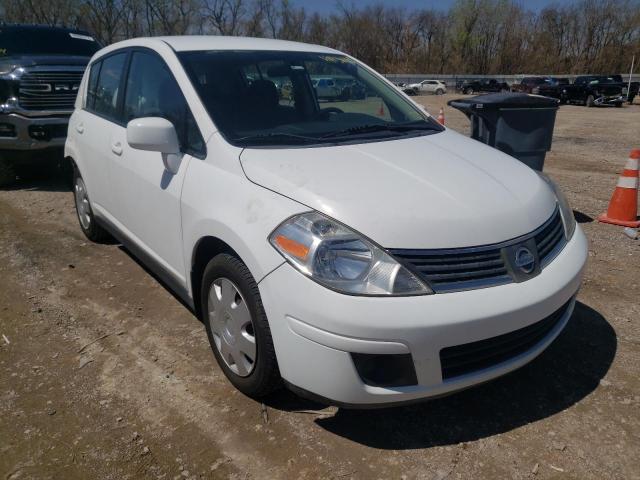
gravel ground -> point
(104, 374)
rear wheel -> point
(90, 227)
(590, 101)
(469, 91)
(237, 326)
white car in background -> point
(435, 87)
(364, 257)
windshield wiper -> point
(275, 136)
(383, 127)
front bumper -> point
(615, 100)
(32, 133)
(316, 330)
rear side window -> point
(153, 92)
(106, 94)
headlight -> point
(340, 259)
(566, 211)
(6, 67)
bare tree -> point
(474, 36)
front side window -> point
(106, 94)
(299, 98)
(151, 91)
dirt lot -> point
(104, 374)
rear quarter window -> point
(92, 85)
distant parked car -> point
(326, 88)
(592, 90)
(489, 85)
(633, 87)
(528, 84)
(552, 87)
(428, 86)
(350, 89)
(404, 88)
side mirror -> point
(154, 134)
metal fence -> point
(451, 80)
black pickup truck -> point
(633, 87)
(40, 72)
(488, 85)
(592, 90)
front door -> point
(148, 195)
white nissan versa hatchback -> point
(356, 251)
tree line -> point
(472, 37)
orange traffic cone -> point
(441, 116)
(381, 109)
(623, 207)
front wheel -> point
(439, 92)
(237, 327)
(469, 91)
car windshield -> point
(42, 41)
(281, 98)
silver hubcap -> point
(232, 328)
(82, 204)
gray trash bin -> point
(515, 123)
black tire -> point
(7, 172)
(439, 92)
(264, 378)
(590, 101)
(618, 105)
(468, 91)
(91, 229)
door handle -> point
(116, 148)
(80, 128)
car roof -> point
(216, 42)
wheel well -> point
(205, 250)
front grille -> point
(450, 270)
(472, 357)
(49, 90)
(485, 266)
(551, 239)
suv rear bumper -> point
(19, 132)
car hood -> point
(436, 191)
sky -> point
(328, 6)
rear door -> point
(95, 125)
(148, 195)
